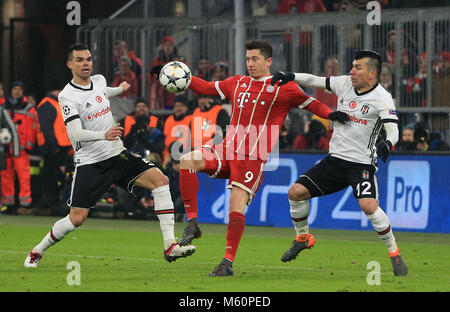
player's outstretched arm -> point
(78, 134)
(305, 80)
(113, 91)
(203, 87)
(323, 111)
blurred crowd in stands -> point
(271, 7)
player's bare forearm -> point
(114, 133)
(203, 87)
(114, 91)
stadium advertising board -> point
(414, 190)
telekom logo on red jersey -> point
(100, 113)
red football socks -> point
(189, 188)
(235, 230)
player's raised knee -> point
(78, 216)
(161, 180)
(152, 179)
(298, 192)
(368, 205)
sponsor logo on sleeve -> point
(66, 110)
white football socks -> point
(381, 225)
(59, 230)
(165, 213)
(299, 212)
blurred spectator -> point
(2, 94)
(441, 127)
(264, 7)
(351, 5)
(36, 160)
(181, 58)
(331, 68)
(176, 128)
(305, 31)
(220, 71)
(388, 54)
(31, 99)
(416, 86)
(315, 137)
(353, 32)
(386, 78)
(282, 140)
(441, 83)
(126, 74)
(159, 97)
(219, 8)
(407, 140)
(24, 116)
(179, 9)
(56, 149)
(167, 53)
(298, 119)
(421, 139)
(300, 6)
(121, 49)
(408, 134)
(287, 135)
(437, 144)
(172, 171)
(204, 68)
(209, 122)
(142, 132)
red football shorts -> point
(246, 174)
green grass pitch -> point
(127, 256)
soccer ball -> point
(175, 77)
(5, 136)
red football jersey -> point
(258, 111)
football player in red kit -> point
(258, 112)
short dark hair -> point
(76, 47)
(120, 42)
(140, 100)
(374, 60)
(181, 98)
(263, 46)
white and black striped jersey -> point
(355, 140)
(91, 105)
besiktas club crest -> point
(365, 108)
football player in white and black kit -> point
(101, 159)
(353, 151)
